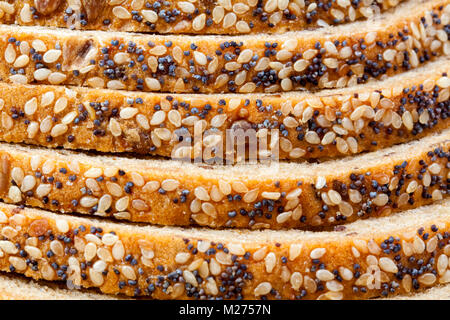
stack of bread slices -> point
(107, 194)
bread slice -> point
(346, 121)
(369, 258)
(328, 58)
(276, 195)
(20, 288)
(221, 17)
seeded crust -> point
(200, 17)
(170, 263)
(277, 195)
(328, 58)
(325, 124)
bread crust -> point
(205, 17)
(171, 263)
(327, 58)
(345, 121)
(281, 195)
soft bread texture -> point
(201, 17)
(19, 288)
(437, 293)
(369, 258)
(276, 195)
(327, 58)
(347, 121)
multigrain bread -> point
(394, 255)
(276, 195)
(200, 17)
(325, 124)
(328, 58)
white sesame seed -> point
(236, 248)
(229, 20)
(14, 194)
(263, 288)
(153, 84)
(186, 7)
(434, 168)
(199, 22)
(150, 15)
(122, 203)
(200, 58)
(62, 225)
(324, 275)
(317, 253)
(427, 279)
(21, 61)
(52, 56)
(270, 262)
(10, 54)
(190, 278)
(121, 13)
(41, 74)
(88, 202)
(386, 264)
(128, 112)
(58, 130)
(8, 247)
(158, 118)
(30, 106)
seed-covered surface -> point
(301, 125)
(281, 195)
(328, 58)
(405, 254)
(193, 16)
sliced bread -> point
(328, 123)
(276, 195)
(201, 17)
(20, 288)
(389, 44)
(404, 253)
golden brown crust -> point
(336, 57)
(280, 195)
(401, 255)
(308, 125)
(193, 17)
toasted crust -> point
(346, 121)
(367, 259)
(328, 58)
(203, 17)
(279, 195)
